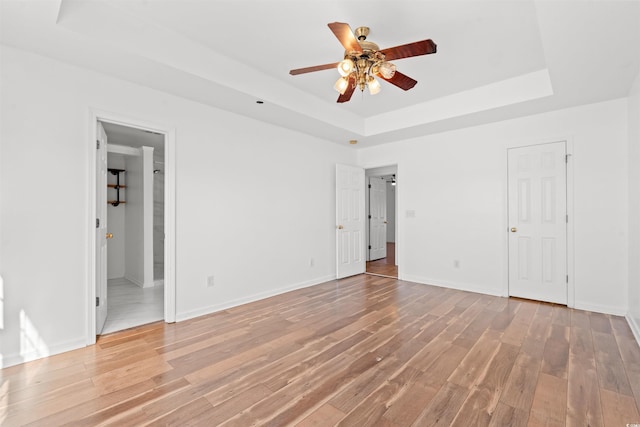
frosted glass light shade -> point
(373, 85)
(341, 85)
(346, 67)
(387, 69)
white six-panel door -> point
(378, 218)
(350, 221)
(537, 192)
(101, 229)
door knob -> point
(385, 222)
(109, 236)
(340, 227)
(513, 229)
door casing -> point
(389, 169)
(96, 116)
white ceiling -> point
(496, 59)
(131, 137)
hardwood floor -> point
(361, 351)
(386, 266)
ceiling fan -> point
(363, 60)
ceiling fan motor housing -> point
(366, 62)
(361, 33)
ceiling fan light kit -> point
(363, 61)
(373, 85)
(341, 85)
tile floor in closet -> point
(131, 305)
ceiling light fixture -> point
(364, 64)
(358, 67)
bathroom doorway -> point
(135, 227)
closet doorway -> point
(381, 221)
(134, 226)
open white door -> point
(538, 222)
(101, 229)
(377, 218)
(350, 221)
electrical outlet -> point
(210, 281)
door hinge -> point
(97, 301)
(97, 144)
(566, 158)
(567, 278)
(369, 216)
(97, 222)
(567, 216)
(369, 185)
(369, 247)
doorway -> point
(135, 224)
(381, 221)
(132, 280)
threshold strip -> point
(381, 275)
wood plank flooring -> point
(362, 351)
(385, 266)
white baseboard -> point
(255, 297)
(134, 281)
(635, 327)
(451, 285)
(597, 308)
(16, 359)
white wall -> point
(134, 220)
(255, 235)
(455, 183)
(116, 221)
(158, 216)
(147, 216)
(139, 218)
(633, 316)
(391, 212)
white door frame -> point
(368, 217)
(399, 225)
(571, 296)
(169, 216)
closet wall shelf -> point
(116, 186)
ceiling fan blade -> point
(346, 96)
(424, 47)
(403, 81)
(312, 69)
(344, 34)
